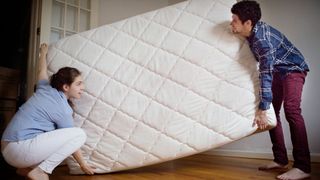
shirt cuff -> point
(264, 105)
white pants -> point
(46, 150)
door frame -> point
(33, 46)
(40, 33)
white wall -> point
(115, 10)
(298, 20)
(174, 1)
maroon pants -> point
(288, 89)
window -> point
(69, 17)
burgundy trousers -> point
(288, 89)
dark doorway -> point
(14, 57)
(16, 25)
(15, 36)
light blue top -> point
(46, 110)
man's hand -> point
(261, 119)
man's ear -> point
(65, 88)
(248, 23)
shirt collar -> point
(63, 96)
(254, 30)
(65, 100)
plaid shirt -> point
(275, 53)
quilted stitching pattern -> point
(162, 85)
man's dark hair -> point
(247, 10)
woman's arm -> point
(83, 165)
(42, 72)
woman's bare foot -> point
(273, 165)
(38, 174)
(23, 171)
(293, 174)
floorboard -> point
(200, 166)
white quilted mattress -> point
(162, 85)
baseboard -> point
(315, 157)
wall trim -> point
(315, 157)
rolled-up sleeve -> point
(265, 53)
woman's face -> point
(75, 89)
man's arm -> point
(266, 61)
(83, 165)
(42, 71)
(266, 54)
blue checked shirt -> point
(275, 53)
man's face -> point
(236, 24)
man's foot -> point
(293, 174)
(38, 174)
(23, 171)
(273, 165)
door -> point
(53, 20)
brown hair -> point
(64, 76)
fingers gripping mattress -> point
(160, 86)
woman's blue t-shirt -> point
(46, 110)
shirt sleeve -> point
(43, 84)
(265, 52)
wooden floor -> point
(199, 166)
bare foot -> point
(38, 174)
(293, 174)
(23, 171)
(273, 165)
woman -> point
(41, 134)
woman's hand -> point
(83, 165)
(43, 49)
(87, 169)
(42, 71)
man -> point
(282, 71)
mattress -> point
(161, 85)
